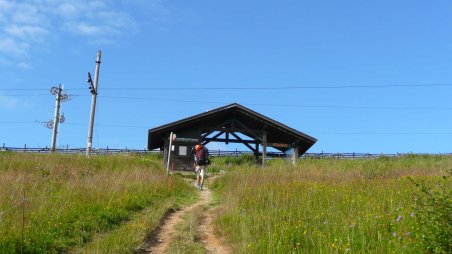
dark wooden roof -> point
(276, 131)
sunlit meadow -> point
(325, 206)
(70, 199)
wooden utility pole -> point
(93, 88)
(56, 118)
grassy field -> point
(107, 204)
(327, 206)
(104, 205)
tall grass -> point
(187, 233)
(325, 206)
(70, 199)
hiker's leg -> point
(197, 170)
(202, 172)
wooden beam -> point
(256, 154)
(256, 136)
(205, 134)
(246, 144)
(219, 127)
(203, 141)
(296, 154)
(229, 129)
(231, 140)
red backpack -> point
(202, 157)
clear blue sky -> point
(238, 44)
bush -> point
(433, 216)
(244, 159)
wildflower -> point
(325, 222)
(412, 214)
(394, 234)
(408, 233)
(399, 218)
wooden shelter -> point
(232, 123)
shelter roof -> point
(277, 133)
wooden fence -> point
(213, 153)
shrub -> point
(433, 216)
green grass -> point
(187, 234)
(71, 201)
(325, 206)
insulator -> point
(49, 124)
(64, 97)
(54, 90)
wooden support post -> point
(296, 154)
(264, 149)
(165, 152)
(256, 153)
(170, 148)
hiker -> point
(201, 156)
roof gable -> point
(278, 132)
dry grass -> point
(70, 199)
(187, 234)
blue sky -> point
(404, 46)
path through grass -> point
(71, 200)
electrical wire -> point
(279, 105)
(254, 104)
(422, 132)
(188, 87)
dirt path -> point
(208, 238)
(159, 240)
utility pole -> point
(56, 118)
(93, 88)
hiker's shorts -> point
(201, 170)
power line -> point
(281, 105)
(23, 95)
(112, 125)
(282, 87)
(361, 107)
(420, 132)
(18, 122)
(382, 133)
(191, 88)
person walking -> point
(201, 156)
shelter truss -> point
(235, 123)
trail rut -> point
(160, 238)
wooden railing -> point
(213, 153)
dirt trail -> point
(159, 240)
